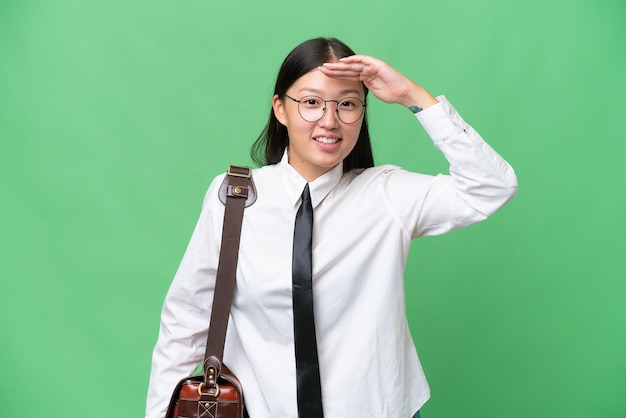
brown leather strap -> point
(239, 193)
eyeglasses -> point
(312, 108)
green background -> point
(115, 116)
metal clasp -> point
(247, 174)
(216, 387)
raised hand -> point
(381, 79)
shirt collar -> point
(294, 183)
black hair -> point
(270, 146)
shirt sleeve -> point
(186, 310)
(479, 181)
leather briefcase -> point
(192, 398)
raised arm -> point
(479, 181)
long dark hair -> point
(270, 145)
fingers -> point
(339, 70)
(348, 71)
(361, 59)
(362, 67)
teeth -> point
(325, 140)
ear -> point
(279, 109)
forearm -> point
(483, 179)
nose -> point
(330, 120)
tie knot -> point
(306, 194)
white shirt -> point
(364, 221)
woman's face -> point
(316, 147)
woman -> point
(364, 220)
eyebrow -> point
(342, 92)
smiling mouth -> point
(326, 140)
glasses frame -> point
(324, 109)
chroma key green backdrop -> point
(115, 116)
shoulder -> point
(387, 179)
(211, 197)
(367, 175)
(266, 172)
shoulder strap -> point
(237, 192)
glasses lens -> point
(350, 109)
(311, 108)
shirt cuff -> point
(441, 120)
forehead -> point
(315, 82)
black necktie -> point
(307, 365)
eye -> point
(349, 103)
(312, 102)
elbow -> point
(503, 195)
(491, 198)
(509, 193)
(505, 188)
(511, 187)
